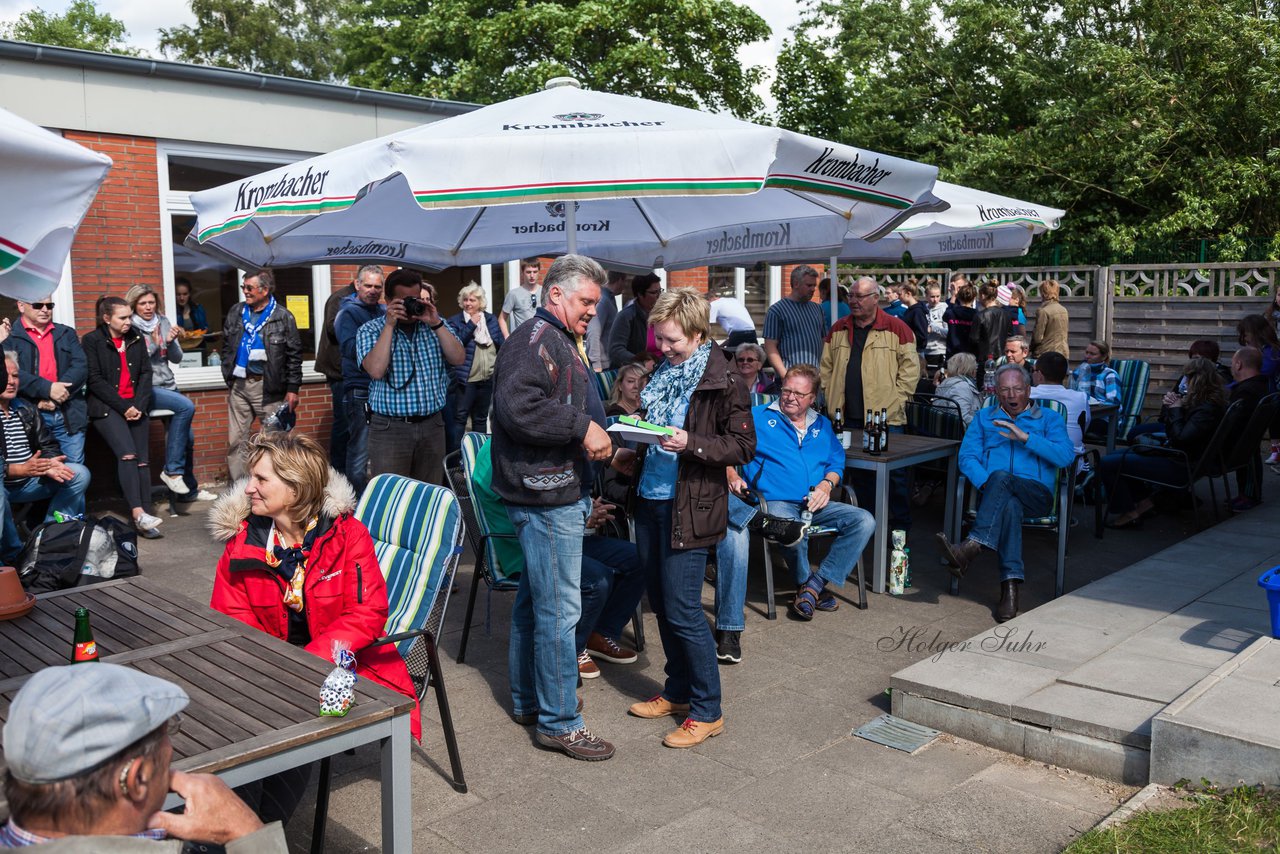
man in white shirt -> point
(1049, 373)
(735, 320)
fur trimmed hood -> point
(229, 511)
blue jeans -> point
(543, 659)
(733, 555)
(853, 524)
(675, 594)
(613, 581)
(338, 430)
(66, 498)
(72, 444)
(357, 470)
(1006, 500)
(178, 433)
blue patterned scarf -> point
(251, 347)
(671, 386)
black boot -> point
(958, 555)
(1007, 608)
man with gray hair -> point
(794, 325)
(548, 430)
(1011, 453)
(357, 309)
(88, 752)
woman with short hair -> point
(683, 510)
(960, 385)
(481, 335)
(750, 361)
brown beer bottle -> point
(84, 648)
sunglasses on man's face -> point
(42, 306)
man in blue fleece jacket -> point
(798, 459)
(1012, 454)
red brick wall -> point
(118, 244)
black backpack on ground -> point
(57, 554)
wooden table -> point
(254, 699)
(904, 450)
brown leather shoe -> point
(657, 707)
(691, 733)
(959, 555)
(1007, 608)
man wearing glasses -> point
(629, 338)
(88, 752)
(52, 372)
(261, 363)
(870, 362)
(798, 464)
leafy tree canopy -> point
(83, 26)
(1146, 119)
(293, 38)
(679, 51)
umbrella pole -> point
(571, 225)
(834, 293)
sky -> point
(144, 17)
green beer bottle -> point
(84, 648)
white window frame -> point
(179, 202)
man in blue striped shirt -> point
(795, 326)
(406, 354)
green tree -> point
(1147, 119)
(83, 26)
(293, 38)
(678, 51)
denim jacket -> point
(1047, 449)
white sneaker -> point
(205, 495)
(1275, 456)
(174, 482)
(147, 522)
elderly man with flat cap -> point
(88, 753)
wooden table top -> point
(900, 445)
(252, 695)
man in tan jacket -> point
(869, 361)
(1050, 335)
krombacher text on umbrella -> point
(308, 184)
(867, 174)
(748, 239)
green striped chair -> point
(605, 381)
(459, 467)
(1057, 520)
(417, 536)
(757, 398)
(1135, 375)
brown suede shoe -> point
(657, 707)
(959, 555)
(691, 733)
(1007, 608)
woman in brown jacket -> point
(683, 503)
(1050, 334)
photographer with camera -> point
(406, 354)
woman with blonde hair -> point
(683, 507)
(481, 335)
(624, 398)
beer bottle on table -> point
(84, 648)
(874, 430)
(884, 428)
(838, 423)
(866, 433)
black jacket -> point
(959, 320)
(917, 318)
(1189, 430)
(328, 356)
(38, 435)
(629, 336)
(284, 350)
(104, 372)
(986, 336)
(72, 370)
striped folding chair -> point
(1135, 375)
(605, 381)
(417, 536)
(757, 398)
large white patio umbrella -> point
(46, 187)
(634, 183)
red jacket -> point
(344, 591)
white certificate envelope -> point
(630, 433)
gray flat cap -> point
(66, 720)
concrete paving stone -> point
(1155, 584)
(1212, 617)
(1046, 642)
(814, 805)
(1165, 642)
(776, 732)
(709, 829)
(863, 696)
(1125, 674)
(546, 816)
(937, 768)
(1057, 784)
(981, 682)
(1260, 662)
(1241, 592)
(986, 816)
(1086, 711)
(1106, 760)
(992, 730)
(1186, 751)
(1247, 709)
